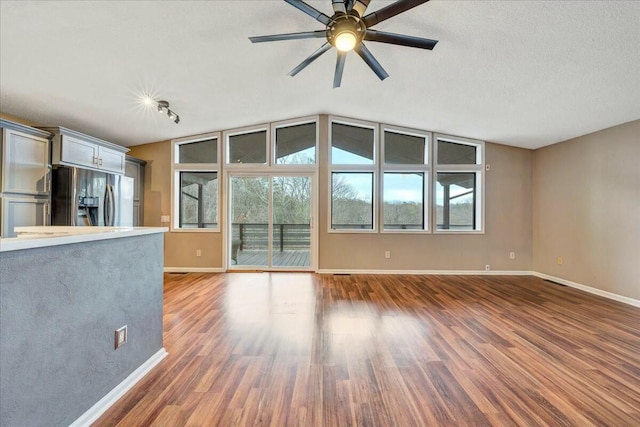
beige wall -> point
(507, 223)
(20, 120)
(586, 209)
(507, 228)
(180, 247)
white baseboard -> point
(112, 397)
(193, 270)
(431, 272)
(599, 292)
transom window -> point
(247, 148)
(352, 145)
(290, 144)
(296, 144)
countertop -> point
(39, 237)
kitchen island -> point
(63, 293)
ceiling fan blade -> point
(337, 78)
(325, 47)
(310, 10)
(390, 11)
(289, 36)
(359, 6)
(371, 61)
(338, 6)
(399, 39)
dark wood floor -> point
(321, 350)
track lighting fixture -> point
(163, 107)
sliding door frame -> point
(270, 174)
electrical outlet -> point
(487, 267)
(387, 254)
(121, 336)
(198, 252)
(560, 261)
(512, 255)
(165, 218)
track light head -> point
(162, 105)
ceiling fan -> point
(347, 29)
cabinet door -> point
(132, 170)
(137, 219)
(111, 160)
(23, 212)
(25, 163)
(79, 152)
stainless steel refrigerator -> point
(83, 197)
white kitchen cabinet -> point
(25, 174)
(25, 165)
(75, 149)
(22, 212)
(79, 152)
(134, 168)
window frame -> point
(424, 169)
(273, 144)
(478, 169)
(177, 168)
(354, 168)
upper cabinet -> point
(25, 166)
(72, 148)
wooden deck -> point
(286, 258)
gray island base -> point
(61, 300)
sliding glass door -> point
(270, 222)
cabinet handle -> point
(95, 161)
(99, 162)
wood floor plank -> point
(297, 349)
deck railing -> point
(285, 236)
(255, 236)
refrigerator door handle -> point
(105, 207)
(112, 206)
(109, 206)
(112, 214)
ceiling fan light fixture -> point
(346, 41)
(346, 29)
(345, 32)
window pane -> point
(296, 145)
(403, 201)
(351, 145)
(352, 201)
(198, 199)
(248, 147)
(450, 153)
(400, 149)
(199, 152)
(456, 201)
(291, 221)
(249, 220)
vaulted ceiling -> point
(523, 73)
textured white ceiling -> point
(523, 73)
